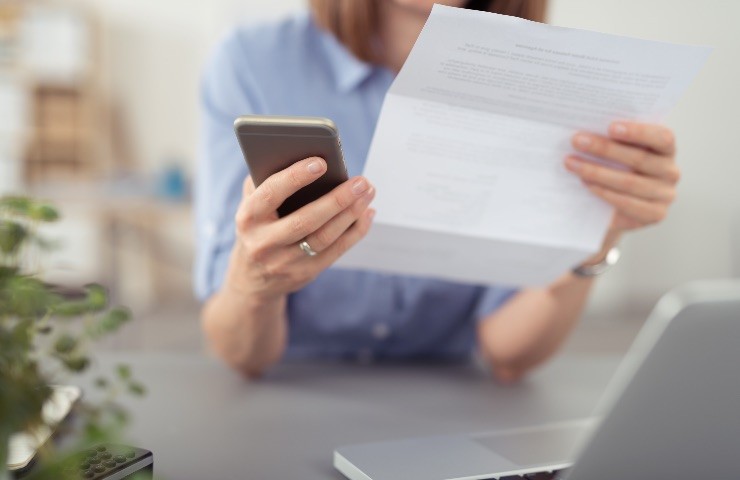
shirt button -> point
(381, 331)
(365, 356)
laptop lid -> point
(673, 408)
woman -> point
(265, 298)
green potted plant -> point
(45, 337)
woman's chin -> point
(424, 7)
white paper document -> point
(468, 153)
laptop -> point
(671, 412)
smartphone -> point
(272, 143)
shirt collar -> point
(348, 71)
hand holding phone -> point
(331, 217)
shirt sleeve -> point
(228, 89)
(492, 299)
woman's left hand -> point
(643, 192)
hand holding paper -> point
(478, 123)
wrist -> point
(255, 302)
(239, 287)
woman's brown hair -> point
(355, 22)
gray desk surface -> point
(205, 422)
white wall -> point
(153, 53)
(155, 50)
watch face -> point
(612, 257)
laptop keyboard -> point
(558, 475)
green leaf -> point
(70, 308)
(136, 388)
(76, 364)
(17, 205)
(97, 297)
(22, 336)
(23, 391)
(65, 344)
(112, 320)
(43, 212)
(28, 208)
(95, 433)
(25, 297)
(124, 372)
(7, 272)
(12, 235)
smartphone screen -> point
(271, 144)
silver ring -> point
(307, 249)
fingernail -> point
(573, 164)
(370, 193)
(619, 129)
(583, 141)
(315, 167)
(360, 187)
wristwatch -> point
(612, 257)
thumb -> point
(248, 187)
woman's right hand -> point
(267, 262)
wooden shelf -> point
(67, 125)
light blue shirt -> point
(291, 67)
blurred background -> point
(99, 114)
